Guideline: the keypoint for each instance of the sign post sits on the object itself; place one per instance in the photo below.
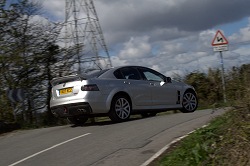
(220, 44)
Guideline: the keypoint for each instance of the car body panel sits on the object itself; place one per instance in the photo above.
(163, 93)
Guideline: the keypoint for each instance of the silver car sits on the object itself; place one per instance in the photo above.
(119, 92)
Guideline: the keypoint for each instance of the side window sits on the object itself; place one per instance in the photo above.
(118, 74)
(130, 73)
(151, 75)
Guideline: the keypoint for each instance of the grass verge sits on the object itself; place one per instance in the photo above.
(225, 141)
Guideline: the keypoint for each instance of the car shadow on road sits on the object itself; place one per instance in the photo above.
(103, 122)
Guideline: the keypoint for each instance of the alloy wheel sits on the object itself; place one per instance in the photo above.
(189, 102)
(122, 108)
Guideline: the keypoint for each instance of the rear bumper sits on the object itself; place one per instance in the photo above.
(70, 110)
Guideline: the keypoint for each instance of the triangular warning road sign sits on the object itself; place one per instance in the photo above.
(219, 39)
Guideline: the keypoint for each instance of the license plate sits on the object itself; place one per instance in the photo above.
(65, 91)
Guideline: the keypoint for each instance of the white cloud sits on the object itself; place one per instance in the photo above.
(136, 48)
(171, 36)
(55, 9)
(242, 36)
(173, 48)
(116, 61)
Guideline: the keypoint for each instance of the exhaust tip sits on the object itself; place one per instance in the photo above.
(65, 111)
(54, 113)
(81, 110)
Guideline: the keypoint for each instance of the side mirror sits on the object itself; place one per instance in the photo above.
(168, 80)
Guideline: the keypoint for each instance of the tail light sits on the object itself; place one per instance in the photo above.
(92, 87)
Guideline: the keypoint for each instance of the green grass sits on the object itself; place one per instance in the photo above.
(226, 141)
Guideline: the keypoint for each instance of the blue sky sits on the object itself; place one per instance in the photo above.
(171, 36)
(233, 27)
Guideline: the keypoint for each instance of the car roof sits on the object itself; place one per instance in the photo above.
(118, 67)
(110, 71)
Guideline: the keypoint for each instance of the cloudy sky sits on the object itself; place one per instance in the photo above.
(171, 36)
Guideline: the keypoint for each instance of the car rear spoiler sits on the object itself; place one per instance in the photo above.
(65, 79)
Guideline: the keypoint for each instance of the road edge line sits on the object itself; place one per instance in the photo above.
(162, 150)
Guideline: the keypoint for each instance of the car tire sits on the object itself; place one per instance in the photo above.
(78, 120)
(189, 102)
(120, 108)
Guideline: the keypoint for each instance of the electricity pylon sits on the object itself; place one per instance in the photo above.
(84, 40)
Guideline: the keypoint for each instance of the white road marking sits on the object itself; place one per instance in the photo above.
(161, 151)
(167, 146)
(52, 147)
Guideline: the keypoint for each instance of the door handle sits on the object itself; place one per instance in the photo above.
(151, 84)
(126, 82)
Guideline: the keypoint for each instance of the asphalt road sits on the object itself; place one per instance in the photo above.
(100, 144)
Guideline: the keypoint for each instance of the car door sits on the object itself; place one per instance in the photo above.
(163, 91)
(137, 88)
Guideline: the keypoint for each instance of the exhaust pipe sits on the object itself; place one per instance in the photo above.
(65, 110)
(55, 114)
(81, 110)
